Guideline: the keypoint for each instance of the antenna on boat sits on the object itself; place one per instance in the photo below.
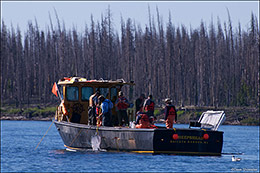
(59, 95)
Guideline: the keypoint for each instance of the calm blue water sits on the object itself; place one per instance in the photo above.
(18, 154)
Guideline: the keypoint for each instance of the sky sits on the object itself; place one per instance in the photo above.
(77, 13)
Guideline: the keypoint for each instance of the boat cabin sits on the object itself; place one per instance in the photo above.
(75, 96)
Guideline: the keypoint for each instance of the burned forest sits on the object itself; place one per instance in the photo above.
(211, 65)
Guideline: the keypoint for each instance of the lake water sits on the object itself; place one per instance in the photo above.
(19, 139)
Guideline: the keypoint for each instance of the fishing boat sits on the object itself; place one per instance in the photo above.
(200, 138)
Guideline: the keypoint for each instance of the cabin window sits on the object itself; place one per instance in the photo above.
(104, 91)
(86, 93)
(72, 93)
(113, 94)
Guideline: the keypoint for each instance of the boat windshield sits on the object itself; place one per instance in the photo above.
(86, 93)
(113, 94)
(72, 93)
(104, 92)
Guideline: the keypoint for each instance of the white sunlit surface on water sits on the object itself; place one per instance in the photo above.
(19, 139)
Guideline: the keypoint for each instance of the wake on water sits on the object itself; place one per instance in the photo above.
(95, 142)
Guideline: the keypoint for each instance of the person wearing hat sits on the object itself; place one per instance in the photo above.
(170, 113)
(122, 105)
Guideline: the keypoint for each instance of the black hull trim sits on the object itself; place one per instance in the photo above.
(156, 152)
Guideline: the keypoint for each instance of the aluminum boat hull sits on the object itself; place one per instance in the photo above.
(156, 141)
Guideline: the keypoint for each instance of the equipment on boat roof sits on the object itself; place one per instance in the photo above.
(209, 120)
(72, 80)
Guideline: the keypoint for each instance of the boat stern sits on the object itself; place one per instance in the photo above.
(188, 141)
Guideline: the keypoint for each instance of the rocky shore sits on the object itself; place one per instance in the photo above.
(24, 118)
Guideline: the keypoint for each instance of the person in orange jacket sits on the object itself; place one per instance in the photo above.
(148, 107)
(122, 104)
(170, 113)
(143, 121)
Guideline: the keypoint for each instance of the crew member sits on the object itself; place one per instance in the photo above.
(149, 108)
(170, 113)
(106, 106)
(93, 101)
(139, 103)
(122, 105)
(143, 121)
(138, 117)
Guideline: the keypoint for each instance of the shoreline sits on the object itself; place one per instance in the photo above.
(50, 118)
(23, 118)
(245, 116)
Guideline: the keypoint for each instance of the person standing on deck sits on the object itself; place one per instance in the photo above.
(122, 105)
(170, 113)
(93, 101)
(106, 114)
(143, 122)
(139, 103)
(149, 108)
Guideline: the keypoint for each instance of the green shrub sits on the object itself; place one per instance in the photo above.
(3, 110)
(13, 111)
(198, 114)
(180, 112)
(157, 112)
(50, 109)
(250, 121)
(34, 112)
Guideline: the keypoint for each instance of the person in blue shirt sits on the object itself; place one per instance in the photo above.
(106, 106)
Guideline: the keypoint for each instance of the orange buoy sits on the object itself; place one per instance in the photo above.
(175, 136)
(206, 136)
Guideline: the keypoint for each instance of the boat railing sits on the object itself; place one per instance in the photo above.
(209, 120)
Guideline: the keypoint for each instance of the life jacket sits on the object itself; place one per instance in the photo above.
(63, 109)
(150, 107)
(144, 122)
(98, 118)
(171, 111)
(122, 103)
(97, 110)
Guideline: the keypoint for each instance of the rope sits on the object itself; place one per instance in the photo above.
(44, 135)
(97, 130)
(98, 123)
(75, 137)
